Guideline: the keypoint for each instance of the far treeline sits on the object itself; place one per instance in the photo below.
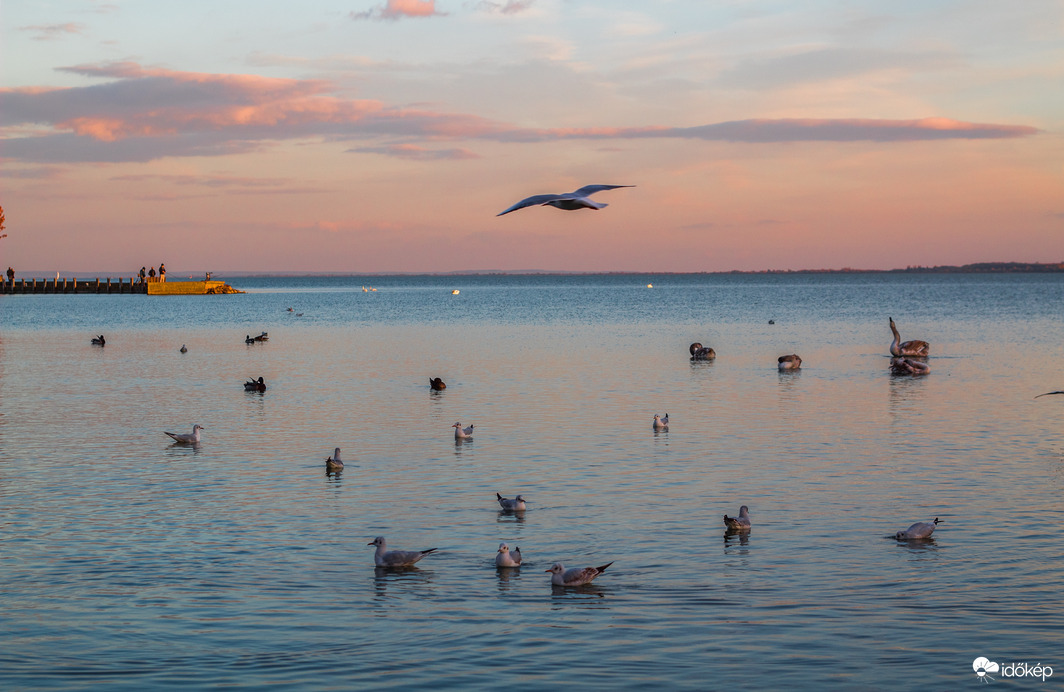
(980, 267)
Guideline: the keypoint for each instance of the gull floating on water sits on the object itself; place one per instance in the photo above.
(252, 339)
(437, 384)
(740, 522)
(921, 529)
(661, 423)
(99, 340)
(188, 438)
(517, 504)
(183, 349)
(507, 558)
(334, 463)
(576, 576)
(569, 201)
(906, 348)
(395, 558)
(791, 362)
(461, 433)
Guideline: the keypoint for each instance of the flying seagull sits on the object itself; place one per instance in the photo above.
(569, 201)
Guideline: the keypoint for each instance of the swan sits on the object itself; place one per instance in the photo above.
(699, 352)
(908, 366)
(791, 362)
(739, 523)
(577, 576)
(921, 529)
(906, 348)
(569, 201)
(506, 557)
(395, 558)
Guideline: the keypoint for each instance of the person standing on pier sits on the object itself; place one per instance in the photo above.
(142, 274)
(10, 275)
(151, 274)
(162, 272)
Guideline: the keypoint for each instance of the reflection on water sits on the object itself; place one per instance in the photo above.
(145, 561)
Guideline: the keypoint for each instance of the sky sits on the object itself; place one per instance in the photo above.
(372, 136)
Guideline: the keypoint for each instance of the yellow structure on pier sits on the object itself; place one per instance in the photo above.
(189, 288)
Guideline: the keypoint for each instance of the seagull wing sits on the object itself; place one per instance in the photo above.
(533, 201)
(592, 189)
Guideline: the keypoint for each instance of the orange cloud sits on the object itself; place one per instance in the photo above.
(397, 9)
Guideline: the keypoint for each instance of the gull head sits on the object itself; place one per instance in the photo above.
(556, 568)
(503, 548)
(378, 541)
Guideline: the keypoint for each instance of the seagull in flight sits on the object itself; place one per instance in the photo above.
(569, 201)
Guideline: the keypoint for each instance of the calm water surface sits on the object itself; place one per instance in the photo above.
(128, 562)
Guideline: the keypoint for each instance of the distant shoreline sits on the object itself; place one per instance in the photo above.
(976, 268)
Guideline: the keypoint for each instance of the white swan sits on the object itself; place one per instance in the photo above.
(570, 201)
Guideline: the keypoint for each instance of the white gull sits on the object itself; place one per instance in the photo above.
(921, 529)
(188, 438)
(576, 576)
(740, 522)
(569, 201)
(507, 558)
(516, 504)
(395, 558)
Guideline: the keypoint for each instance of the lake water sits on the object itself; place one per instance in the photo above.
(131, 563)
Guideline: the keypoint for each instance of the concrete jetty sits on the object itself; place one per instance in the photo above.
(130, 286)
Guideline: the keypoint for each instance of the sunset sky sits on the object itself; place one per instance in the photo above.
(386, 135)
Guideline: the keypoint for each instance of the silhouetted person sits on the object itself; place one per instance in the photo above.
(142, 274)
(10, 275)
(151, 274)
(162, 272)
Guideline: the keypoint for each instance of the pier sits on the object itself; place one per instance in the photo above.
(130, 286)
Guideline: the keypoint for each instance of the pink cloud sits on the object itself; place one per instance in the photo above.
(393, 10)
(143, 113)
(50, 32)
(509, 7)
(416, 153)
